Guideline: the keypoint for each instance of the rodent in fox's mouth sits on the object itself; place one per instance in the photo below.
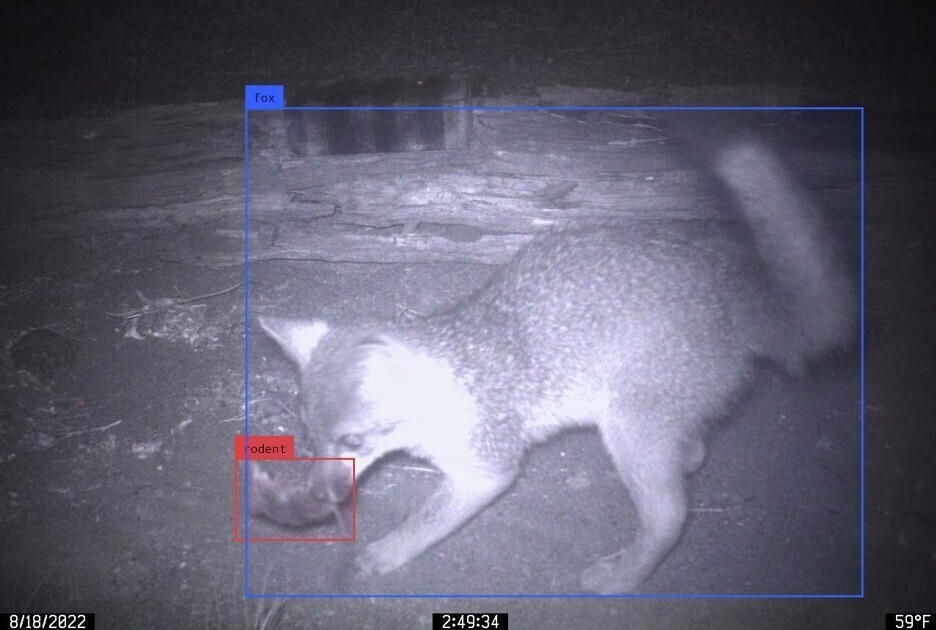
(294, 494)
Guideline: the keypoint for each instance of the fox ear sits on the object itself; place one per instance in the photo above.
(297, 337)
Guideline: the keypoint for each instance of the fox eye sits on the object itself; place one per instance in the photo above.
(351, 440)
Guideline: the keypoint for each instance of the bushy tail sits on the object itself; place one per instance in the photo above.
(793, 240)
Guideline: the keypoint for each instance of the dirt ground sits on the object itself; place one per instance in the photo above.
(117, 427)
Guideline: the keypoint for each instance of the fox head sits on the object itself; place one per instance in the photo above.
(362, 392)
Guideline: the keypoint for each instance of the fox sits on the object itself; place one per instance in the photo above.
(646, 331)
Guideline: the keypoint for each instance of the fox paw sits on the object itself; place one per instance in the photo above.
(380, 557)
(610, 577)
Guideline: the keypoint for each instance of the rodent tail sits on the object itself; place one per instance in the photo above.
(792, 238)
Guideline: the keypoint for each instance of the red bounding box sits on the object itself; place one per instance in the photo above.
(264, 447)
(317, 521)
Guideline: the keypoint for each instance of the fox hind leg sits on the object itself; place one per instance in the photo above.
(650, 459)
